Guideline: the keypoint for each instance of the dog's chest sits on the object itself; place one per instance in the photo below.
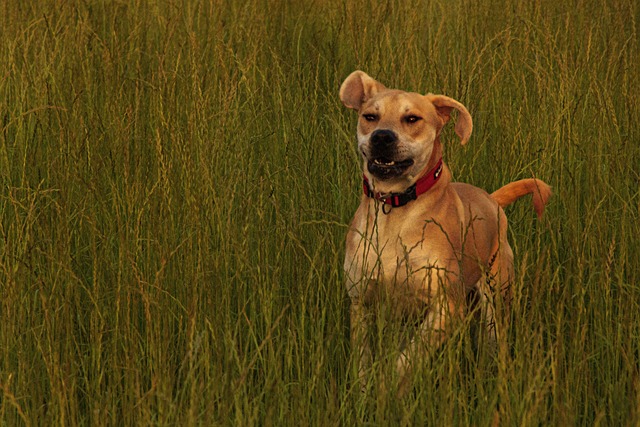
(384, 258)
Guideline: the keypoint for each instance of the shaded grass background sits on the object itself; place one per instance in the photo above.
(177, 177)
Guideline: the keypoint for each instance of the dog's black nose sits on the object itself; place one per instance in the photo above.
(383, 138)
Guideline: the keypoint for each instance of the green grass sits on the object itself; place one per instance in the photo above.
(176, 180)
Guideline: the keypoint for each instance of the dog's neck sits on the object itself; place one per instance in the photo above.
(436, 156)
(403, 183)
(433, 173)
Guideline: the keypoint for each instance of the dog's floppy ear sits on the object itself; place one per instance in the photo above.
(358, 88)
(444, 105)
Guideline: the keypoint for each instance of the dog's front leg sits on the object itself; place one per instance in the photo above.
(360, 342)
(430, 336)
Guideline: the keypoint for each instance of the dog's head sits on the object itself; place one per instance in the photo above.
(397, 130)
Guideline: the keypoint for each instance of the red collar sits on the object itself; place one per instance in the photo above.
(421, 186)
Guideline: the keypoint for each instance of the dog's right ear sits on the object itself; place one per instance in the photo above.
(358, 88)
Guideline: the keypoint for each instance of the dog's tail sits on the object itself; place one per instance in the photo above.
(513, 191)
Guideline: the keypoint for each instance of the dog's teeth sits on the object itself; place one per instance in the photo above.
(378, 162)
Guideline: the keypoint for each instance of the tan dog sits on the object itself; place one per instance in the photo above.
(421, 243)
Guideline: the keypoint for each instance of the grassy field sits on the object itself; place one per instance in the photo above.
(176, 180)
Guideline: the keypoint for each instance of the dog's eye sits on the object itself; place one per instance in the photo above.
(370, 117)
(412, 119)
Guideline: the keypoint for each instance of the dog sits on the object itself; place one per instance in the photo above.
(428, 246)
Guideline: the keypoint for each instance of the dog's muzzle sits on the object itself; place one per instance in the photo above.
(382, 161)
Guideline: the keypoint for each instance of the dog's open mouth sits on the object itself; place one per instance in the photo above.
(384, 168)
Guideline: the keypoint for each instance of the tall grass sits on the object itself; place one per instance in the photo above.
(176, 180)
